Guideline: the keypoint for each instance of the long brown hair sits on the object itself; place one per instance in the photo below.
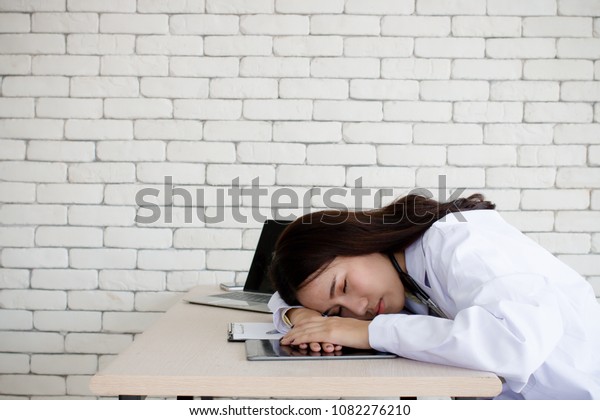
(312, 241)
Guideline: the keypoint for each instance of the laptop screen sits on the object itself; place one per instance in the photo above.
(258, 278)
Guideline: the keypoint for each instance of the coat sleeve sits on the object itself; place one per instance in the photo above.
(507, 324)
(278, 306)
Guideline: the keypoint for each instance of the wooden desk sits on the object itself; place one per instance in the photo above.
(186, 353)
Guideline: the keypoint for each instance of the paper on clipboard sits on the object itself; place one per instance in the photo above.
(242, 331)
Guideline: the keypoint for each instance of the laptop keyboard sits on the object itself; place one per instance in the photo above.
(248, 297)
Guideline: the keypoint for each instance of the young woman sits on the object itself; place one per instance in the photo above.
(449, 283)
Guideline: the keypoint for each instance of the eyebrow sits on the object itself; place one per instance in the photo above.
(331, 293)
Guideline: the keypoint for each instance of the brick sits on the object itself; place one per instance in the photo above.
(11, 278)
(155, 301)
(102, 258)
(384, 89)
(32, 129)
(594, 155)
(16, 236)
(70, 321)
(174, 87)
(181, 217)
(237, 130)
(137, 238)
(528, 48)
(417, 111)
(447, 134)
(65, 65)
(204, 66)
(378, 47)
(70, 193)
(32, 385)
(345, 67)
(271, 153)
(180, 172)
(488, 69)
(518, 134)
(130, 151)
(378, 132)
(344, 25)
(32, 171)
(558, 70)
(17, 192)
(168, 129)
(416, 155)
(229, 260)
(578, 48)
(518, 8)
(33, 299)
(78, 386)
(101, 215)
(33, 214)
(449, 47)
(455, 177)
(380, 7)
(356, 154)
(577, 221)
(309, 6)
(347, 110)
(134, 322)
(555, 200)
(132, 280)
(97, 343)
(185, 280)
(488, 112)
(243, 88)
(169, 45)
(415, 26)
(98, 130)
(34, 257)
(380, 177)
(526, 91)
(101, 300)
(61, 151)
(455, 90)
(482, 155)
(111, 6)
(64, 364)
(35, 86)
(262, 24)
(558, 112)
(204, 24)
(563, 243)
(225, 174)
(14, 23)
(313, 46)
(415, 68)
(134, 65)
(301, 88)
(207, 152)
(171, 260)
(32, 44)
(134, 23)
(68, 236)
(310, 175)
(238, 45)
(130, 108)
(64, 22)
(17, 108)
(64, 279)
(15, 320)
(31, 342)
(239, 6)
(14, 363)
(578, 8)
(177, 6)
(580, 91)
(486, 26)
(208, 109)
(558, 26)
(552, 155)
(466, 7)
(100, 44)
(15, 64)
(310, 131)
(523, 177)
(578, 178)
(98, 172)
(207, 238)
(586, 265)
(277, 109)
(274, 67)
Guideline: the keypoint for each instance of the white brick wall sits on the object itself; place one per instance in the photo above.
(101, 99)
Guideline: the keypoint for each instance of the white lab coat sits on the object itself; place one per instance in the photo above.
(515, 310)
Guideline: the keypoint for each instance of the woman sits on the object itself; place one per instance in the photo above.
(448, 283)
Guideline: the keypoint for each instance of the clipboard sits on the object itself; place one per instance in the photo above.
(242, 331)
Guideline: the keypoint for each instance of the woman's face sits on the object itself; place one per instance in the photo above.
(359, 287)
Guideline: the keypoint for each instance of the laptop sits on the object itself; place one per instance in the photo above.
(258, 289)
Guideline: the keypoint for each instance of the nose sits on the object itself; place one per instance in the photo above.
(359, 307)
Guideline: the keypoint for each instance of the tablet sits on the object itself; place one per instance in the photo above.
(273, 350)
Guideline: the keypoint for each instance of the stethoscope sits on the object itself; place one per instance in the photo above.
(413, 288)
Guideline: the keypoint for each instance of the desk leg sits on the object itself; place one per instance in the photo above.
(185, 397)
(131, 397)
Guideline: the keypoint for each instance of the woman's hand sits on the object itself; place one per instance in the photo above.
(299, 315)
(348, 332)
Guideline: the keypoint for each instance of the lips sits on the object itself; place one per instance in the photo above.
(380, 307)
